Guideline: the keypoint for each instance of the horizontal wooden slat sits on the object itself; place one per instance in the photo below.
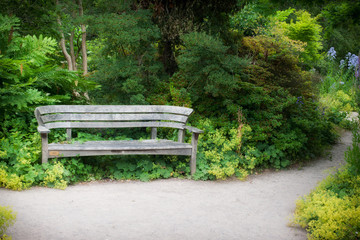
(112, 124)
(120, 145)
(69, 153)
(42, 129)
(114, 109)
(193, 129)
(113, 117)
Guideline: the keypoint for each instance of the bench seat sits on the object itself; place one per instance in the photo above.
(123, 147)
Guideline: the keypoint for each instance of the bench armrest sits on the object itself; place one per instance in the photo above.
(42, 129)
(193, 129)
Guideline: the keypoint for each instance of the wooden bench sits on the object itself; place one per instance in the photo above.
(116, 116)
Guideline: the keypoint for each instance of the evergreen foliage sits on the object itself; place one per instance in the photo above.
(242, 66)
(211, 73)
(127, 67)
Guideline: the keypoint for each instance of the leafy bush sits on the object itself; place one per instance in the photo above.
(279, 103)
(274, 95)
(352, 156)
(332, 210)
(219, 154)
(126, 65)
(338, 89)
(249, 21)
(300, 27)
(19, 167)
(7, 218)
(341, 26)
(327, 216)
(210, 73)
(29, 76)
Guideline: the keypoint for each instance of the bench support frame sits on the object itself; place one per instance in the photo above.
(156, 147)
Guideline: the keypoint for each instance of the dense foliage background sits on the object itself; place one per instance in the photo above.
(268, 80)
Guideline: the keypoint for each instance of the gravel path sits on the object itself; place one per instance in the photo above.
(259, 208)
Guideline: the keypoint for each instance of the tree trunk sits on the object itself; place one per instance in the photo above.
(83, 41)
(62, 44)
(72, 52)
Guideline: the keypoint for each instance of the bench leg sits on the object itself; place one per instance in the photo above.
(68, 134)
(44, 147)
(181, 135)
(194, 141)
(153, 133)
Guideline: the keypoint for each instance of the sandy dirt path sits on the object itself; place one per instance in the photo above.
(259, 208)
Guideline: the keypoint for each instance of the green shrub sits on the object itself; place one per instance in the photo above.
(249, 21)
(278, 101)
(302, 27)
(341, 26)
(126, 63)
(210, 73)
(326, 216)
(352, 156)
(29, 76)
(7, 219)
(219, 152)
(338, 89)
(332, 210)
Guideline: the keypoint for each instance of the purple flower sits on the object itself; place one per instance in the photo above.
(342, 63)
(357, 71)
(299, 101)
(331, 53)
(353, 61)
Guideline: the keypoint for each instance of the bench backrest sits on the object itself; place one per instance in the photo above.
(111, 116)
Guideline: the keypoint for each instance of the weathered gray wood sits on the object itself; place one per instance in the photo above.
(38, 116)
(153, 133)
(181, 135)
(112, 124)
(43, 129)
(193, 129)
(194, 142)
(114, 109)
(120, 145)
(44, 147)
(68, 134)
(114, 117)
(70, 153)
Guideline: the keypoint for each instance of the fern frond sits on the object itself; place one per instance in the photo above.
(34, 50)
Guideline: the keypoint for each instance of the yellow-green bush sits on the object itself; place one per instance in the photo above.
(332, 210)
(19, 168)
(219, 152)
(327, 216)
(54, 176)
(7, 218)
(339, 101)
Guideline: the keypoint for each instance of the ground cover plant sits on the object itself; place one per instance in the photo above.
(263, 87)
(7, 219)
(332, 210)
